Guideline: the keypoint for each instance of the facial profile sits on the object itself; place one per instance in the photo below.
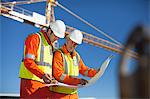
(70, 45)
(52, 36)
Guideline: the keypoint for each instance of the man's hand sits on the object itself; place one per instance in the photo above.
(98, 70)
(53, 81)
(47, 78)
(83, 81)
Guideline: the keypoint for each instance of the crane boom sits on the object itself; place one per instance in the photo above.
(22, 2)
(96, 41)
(26, 16)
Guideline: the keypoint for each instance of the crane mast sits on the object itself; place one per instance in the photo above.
(8, 9)
(50, 11)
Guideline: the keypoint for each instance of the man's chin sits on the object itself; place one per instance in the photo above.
(71, 51)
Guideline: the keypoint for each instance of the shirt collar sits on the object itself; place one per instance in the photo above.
(46, 37)
(64, 48)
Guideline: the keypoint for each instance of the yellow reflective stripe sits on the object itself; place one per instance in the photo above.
(30, 56)
(73, 76)
(62, 77)
(64, 90)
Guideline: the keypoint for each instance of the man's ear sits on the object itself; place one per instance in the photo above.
(49, 31)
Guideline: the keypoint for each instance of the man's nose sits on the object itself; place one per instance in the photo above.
(75, 44)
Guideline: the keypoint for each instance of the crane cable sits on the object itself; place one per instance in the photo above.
(75, 15)
(21, 2)
(86, 22)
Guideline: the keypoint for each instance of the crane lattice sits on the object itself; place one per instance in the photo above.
(10, 10)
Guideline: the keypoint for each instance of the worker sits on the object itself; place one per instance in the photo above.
(67, 64)
(36, 66)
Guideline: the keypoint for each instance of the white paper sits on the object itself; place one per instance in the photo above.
(100, 73)
(62, 84)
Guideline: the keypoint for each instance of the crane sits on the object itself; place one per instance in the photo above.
(10, 10)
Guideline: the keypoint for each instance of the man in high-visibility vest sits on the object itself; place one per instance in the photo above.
(67, 64)
(36, 66)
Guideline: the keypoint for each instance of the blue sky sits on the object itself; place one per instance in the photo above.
(115, 17)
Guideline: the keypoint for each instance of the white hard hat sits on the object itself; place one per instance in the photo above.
(76, 36)
(59, 28)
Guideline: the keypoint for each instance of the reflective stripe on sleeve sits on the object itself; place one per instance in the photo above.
(62, 77)
(86, 72)
(43, 64)
(30, 56)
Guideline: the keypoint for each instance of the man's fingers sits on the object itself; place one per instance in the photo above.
(47, 81)
(54, 81)
(48, 77)
(83, 82)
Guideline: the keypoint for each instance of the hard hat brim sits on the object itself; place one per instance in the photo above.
(58, 34)
(78, 42)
